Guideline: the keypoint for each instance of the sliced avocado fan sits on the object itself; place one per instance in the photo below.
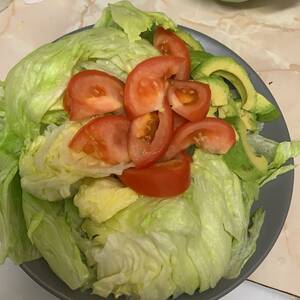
(235, 73)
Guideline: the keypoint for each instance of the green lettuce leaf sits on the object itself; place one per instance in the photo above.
(276, 153)
(106, 66)
(100, 199)
(250, 190)
(243, 249)
(50, 170)
(35, 84)
(13, 234)
(51, 234)
(155, 249)
(132, 20)
(274, 173)
(82, 240)
(263, 146)
(56, 117)
(284, 152)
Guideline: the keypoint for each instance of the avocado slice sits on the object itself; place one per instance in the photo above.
(189, 39)
(234, 109)
(265, 110)
(235, 81)
(231, 109)
(220, 92)
(237, 76)
(249, 119)
(241, 158)
(197, 58)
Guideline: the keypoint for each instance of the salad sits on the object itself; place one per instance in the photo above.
(130, 159)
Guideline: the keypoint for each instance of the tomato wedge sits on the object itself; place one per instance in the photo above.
(150, 136)
(178, 121)
(146, 84)
(168, 43)
(104, 138)
(211, 134)
(163, 179)
(190, 99)
(91, 93)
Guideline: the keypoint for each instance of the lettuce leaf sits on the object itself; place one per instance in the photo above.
(277, 155)
(155, 249)
(83, 242)
(50, 170)
(123, 15)
(56, 117)
(33, 86)
(51, 234)
(106, 66)
(243, 249)
(284, 152)
(13, 234)
(100, 199)
(139, 24)
(263, 146)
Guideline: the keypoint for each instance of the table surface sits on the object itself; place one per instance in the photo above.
(265, 33)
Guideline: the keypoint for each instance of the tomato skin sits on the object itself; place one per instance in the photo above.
(104, 138)
(178, 121)
(163, 179)
(168, 43)
(144, 153)
(211, 134)
(190, 99)
(92, 92)
(147, 84)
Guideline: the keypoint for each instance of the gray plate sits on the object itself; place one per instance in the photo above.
(275, 198)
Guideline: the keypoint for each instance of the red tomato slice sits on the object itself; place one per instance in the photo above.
(146, 84)
(211, 134)
(178, 121)
(190, 99)
(150, 136)
(104, 138)
(163, 179)
(168, 43)
(91, 93)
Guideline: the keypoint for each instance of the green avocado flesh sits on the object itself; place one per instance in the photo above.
(234, 72)
(241, 158)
